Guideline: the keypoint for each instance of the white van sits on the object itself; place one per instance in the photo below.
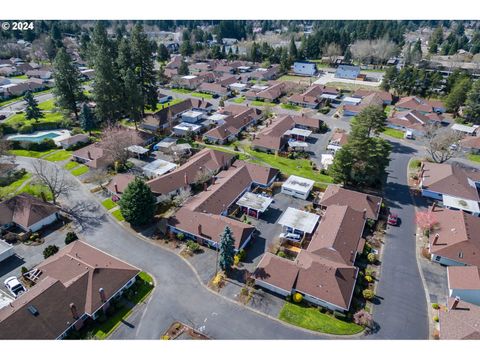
(409, 135)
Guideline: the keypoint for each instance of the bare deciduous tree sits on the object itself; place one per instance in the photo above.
(98, 177)
(332, 50)
(442, 144)
(54, 179)
(367, 51)
(203, 175)
(115, 141)
(182, 196)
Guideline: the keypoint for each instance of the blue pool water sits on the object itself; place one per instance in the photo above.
(37, 139)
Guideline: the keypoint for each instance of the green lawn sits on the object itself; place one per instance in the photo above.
(31, 153)
(118, 215)
(182, 91)
(59, 155)
(48, 117)
(415, 164)
(20, 98)
(398, 134)
(241, 156)
(351, 86)
(303, 79)
(202, 95)
(37, 190)
(80, 170)
(312, 319)
(24, 77)
(299, 167)
(109, 204)
(262, 103)
(164, 105)
(238, 100)
(13, 187)
(474, 157)
(290, 107)
(70, 165)
(142, 290)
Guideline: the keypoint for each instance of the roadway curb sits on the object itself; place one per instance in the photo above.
(418, 259)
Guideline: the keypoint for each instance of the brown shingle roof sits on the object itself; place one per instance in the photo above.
(25, 210)
(384, 95)
(449, 179)
(120, 182)
(461, 323)
(276, 271)
(463, 277)
(72, 276)
(272, 137)
(458, 238)
(336, 195)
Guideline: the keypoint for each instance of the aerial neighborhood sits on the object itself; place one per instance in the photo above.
(320, 178)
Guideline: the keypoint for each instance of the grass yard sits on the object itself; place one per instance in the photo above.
(164, 105)
(80, 170)
(351, 86)
(117, 214)
(312, 319)
(262, 103)
(474, 157)
(307, 80)
(299, 167)
(31, 153)
(20, 98)
(13, 187)
(37, 190)
(23, 77)
(142, 289)
(414, 164)
(109, 204)
(238, 100)
(241, 156)
(291, 107)
(202, 95)
(48, 117)
(70, 165)
(398, 134)
(59, 155)
(182, 91)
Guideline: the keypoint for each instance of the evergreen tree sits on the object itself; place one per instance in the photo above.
(227, 249)
(144, 67)
(161, 77)
(472, 104)
(32, 111)
(138, 203)
(389, 78)
(133, 97)
(183, 68)
(458, 95)
(162, 53)
(107, 90)
(67, 88)
(86, 119)
(435, 40)
(293, 50)
(186, 48)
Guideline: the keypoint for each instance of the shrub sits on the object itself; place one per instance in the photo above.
(372, 258)
(363, 318)
(282, 254)
(70, 237)
(368, 272)
(180, 236)
(325, 110)
(368, 278)
(368, 294)
(297, 297)
(236, 260)
(26, 129)
(436, 319)
(426, 232)
(435, 306)
(23, 270)
(193, 246)
(242, 254)
(34, 237)
(50, 250)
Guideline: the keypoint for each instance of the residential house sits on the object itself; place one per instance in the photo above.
(384, 95)
(411, 120)
(454, 186)
(270, 94)
(453, 240)
(324, 273)
(460, 321)
(471, 143)
(464, 282)
(305, 68)
(465, 129)
(214, 89)
(369, 100)
(421, 105)
(206, 160)
(203, 217)
(339, 138)
(74, 140)
(314, 96)
(117, 185)
(190, 82)
(336, 195)
(347, 72)
(265, 74)
(75, 284)
(27, 213)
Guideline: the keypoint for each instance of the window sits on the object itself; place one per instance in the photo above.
(460, 254)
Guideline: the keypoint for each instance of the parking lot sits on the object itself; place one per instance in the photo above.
(268, 228)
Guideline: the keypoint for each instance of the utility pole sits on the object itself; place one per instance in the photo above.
(216, 259)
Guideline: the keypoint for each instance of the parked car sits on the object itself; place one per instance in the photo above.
(14, 286)
(392, 219)
(2, 117)
(409, 135)
(290, 236)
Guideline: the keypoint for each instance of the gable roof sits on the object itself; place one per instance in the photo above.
(418, 103)
(336, 195)
(461, 323)
(72, 276)
(450, 180)
(458, 238)
(277, 271)
(212, 160)
(463, 277)
(272, 137)
(25, 210)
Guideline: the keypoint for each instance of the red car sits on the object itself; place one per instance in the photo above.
(392, 219)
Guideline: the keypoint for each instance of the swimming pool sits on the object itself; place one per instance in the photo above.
(38, 138)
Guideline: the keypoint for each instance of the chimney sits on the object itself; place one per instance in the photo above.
(303, 114)
(205, 186)
(73, 309)
(433, 206)
(116, 188)
(185, 179)
(455, 303)
(435, 239)
(89, 155)
(213, 180)
(352, 256)
(102, 295)
(199, 229)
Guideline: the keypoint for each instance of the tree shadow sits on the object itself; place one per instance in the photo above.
(85, 214)
(255, 248)
(400, 148)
